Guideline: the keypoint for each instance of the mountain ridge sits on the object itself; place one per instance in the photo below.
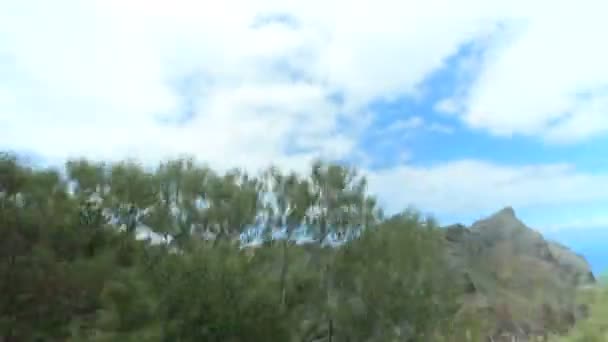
(515, 276)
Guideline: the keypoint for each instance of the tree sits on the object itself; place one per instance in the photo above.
(233, 202)
(341, 206)
(68, 272)
(171, 213)
(595, 327)
(412, 300)
(51, 269)
(88, 178)
(291, 201)
(131, 193)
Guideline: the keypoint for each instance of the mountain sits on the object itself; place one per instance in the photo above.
(522, 283)
(591, 241)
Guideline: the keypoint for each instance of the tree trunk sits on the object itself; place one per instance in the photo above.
(328, 288)
(283, 280)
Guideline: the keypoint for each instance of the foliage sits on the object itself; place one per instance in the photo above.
(72, 266)
(595, 327)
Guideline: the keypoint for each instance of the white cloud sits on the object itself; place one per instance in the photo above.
(93, 77)
(471, 186)
(82, 66)
(412, 124)
(448, 106)
(73, 70)
(547, 78)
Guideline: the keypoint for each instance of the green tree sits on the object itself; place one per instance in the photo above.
(341, 205)
(131, 192)
(595, 327)
(415, 297)
(233, 202)
(47, 258)
(68, 272)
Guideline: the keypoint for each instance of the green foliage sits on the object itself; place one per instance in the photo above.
(595, 327)
(67, 272)
(394, 284)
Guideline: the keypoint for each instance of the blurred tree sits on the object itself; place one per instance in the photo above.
(68, 273)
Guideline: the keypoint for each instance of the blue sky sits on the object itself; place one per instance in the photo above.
(458, 109)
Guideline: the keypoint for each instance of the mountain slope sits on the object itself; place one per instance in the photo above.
(523, 283)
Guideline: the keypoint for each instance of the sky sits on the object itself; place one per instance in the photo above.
(455, 108)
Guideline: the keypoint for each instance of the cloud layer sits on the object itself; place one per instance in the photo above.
(251, 82)
(547, 77)
(469, 186)
(269, 73)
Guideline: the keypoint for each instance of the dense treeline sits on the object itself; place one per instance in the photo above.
(72, 269)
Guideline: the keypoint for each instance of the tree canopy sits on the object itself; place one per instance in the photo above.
(73, 268)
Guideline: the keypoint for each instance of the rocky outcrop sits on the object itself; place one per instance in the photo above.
(572, 264)
(524, 279)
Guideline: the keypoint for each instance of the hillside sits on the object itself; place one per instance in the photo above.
(522, 282)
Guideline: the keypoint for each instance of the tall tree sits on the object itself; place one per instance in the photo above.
(342, 206)
(87, 177)
(233, 202)
(180, 186)
(131, 192)
(292, 199)
(61, 278)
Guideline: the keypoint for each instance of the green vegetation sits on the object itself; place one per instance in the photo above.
(72, 269)
(595, 328)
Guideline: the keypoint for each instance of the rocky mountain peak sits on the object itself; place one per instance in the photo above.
(506, 212)
(504, 225)
(505, 216)
(506, 261)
